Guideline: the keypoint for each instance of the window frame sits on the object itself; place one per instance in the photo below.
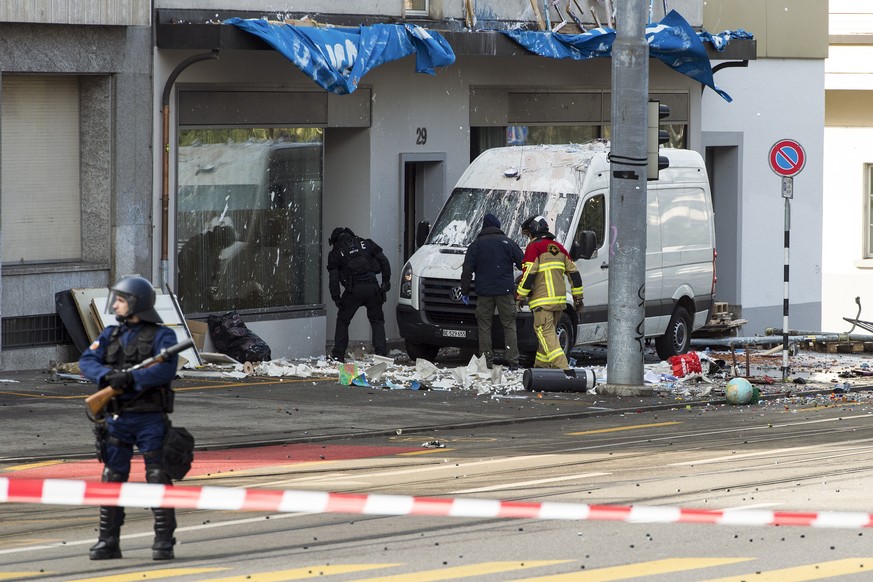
(416, 11)
(95, 96)
(868, 211)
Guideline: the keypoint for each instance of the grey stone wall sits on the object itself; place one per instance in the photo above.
(114, 68)
(109, 12)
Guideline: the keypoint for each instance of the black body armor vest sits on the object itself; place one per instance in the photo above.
(154, 399)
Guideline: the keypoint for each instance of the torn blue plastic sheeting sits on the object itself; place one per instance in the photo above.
(672, 40)
(337, 58)
(595, 43)
(675, 43)
(721, 39)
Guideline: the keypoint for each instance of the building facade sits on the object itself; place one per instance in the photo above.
(779, 95)
(848, 168)
(75, 162)
(211, 164)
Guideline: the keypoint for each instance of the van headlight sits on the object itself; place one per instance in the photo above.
(406, 282)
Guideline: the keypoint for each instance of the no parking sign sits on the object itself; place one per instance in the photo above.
(787, 158)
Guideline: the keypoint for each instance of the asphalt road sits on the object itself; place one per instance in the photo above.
(793, 455)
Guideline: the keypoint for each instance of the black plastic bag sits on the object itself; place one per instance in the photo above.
(178, 452)
(231, 337)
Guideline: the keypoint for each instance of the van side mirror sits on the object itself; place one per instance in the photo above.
(584, 245)
(421, 232)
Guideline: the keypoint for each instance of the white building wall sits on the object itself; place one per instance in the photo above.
(766, 112)
(848, 138)
(846, 275)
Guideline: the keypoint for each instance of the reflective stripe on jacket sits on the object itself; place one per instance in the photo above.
(545, 265)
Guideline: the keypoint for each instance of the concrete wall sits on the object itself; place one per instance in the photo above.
(485, 10)
(101, 12)
(850, 17)
(848, 272)
(776, 24)
(116, 172)
(765, 112)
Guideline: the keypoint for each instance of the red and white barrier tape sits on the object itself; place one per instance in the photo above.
(69, 492)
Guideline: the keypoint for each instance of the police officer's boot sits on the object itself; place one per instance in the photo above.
(111, 520)
(165, 518)
(107, 546)
(165, 525)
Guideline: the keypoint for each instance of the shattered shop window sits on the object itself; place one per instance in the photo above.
(248, 218)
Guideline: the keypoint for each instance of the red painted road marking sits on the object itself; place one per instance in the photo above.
(221, 462)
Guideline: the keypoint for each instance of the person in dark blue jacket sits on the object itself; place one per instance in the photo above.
(138, 416)
(491, 258)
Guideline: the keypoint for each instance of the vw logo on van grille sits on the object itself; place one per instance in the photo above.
(455, 294)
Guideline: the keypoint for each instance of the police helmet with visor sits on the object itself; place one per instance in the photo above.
(140, 297)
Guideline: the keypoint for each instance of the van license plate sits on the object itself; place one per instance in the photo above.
(454, 333)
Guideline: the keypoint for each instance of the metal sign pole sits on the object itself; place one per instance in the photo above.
(787, 158)
(787, 194)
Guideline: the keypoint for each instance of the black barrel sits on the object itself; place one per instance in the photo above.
(549, 380)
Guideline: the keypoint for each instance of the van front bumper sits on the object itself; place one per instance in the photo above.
(415, 327)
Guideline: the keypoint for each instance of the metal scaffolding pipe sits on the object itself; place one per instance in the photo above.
(776, 339)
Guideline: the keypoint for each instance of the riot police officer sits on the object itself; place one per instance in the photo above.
(138, 416)
(354, 262)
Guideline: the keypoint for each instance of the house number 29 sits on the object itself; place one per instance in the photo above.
(420, 135)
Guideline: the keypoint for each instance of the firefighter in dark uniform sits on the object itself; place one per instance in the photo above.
(354, 262)
(137, 417)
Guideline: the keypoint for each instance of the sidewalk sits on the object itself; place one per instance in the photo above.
(41, 419)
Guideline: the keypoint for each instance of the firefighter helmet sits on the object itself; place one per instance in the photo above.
(535, 226)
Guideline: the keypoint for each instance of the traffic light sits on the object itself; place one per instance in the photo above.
(655, 137)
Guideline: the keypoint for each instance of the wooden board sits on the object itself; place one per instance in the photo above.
(91, 306)
(838, 347)
(83, 299)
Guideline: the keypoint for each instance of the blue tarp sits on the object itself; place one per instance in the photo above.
(337, 58)
(672, 40)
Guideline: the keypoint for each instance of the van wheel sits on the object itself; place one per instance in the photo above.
(417, 350)
(677, 338)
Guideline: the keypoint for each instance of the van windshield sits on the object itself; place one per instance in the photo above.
(460, 221)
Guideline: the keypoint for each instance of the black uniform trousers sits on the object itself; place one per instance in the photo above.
(368, 294)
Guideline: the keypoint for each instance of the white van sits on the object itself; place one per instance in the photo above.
(569, 186)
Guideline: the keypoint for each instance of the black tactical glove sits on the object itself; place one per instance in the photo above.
(338, 302)
(120, 380)
(580, 305)
(386, 286)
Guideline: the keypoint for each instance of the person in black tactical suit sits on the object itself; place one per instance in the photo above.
(354, 262)
(491, 258)
(138, 416)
